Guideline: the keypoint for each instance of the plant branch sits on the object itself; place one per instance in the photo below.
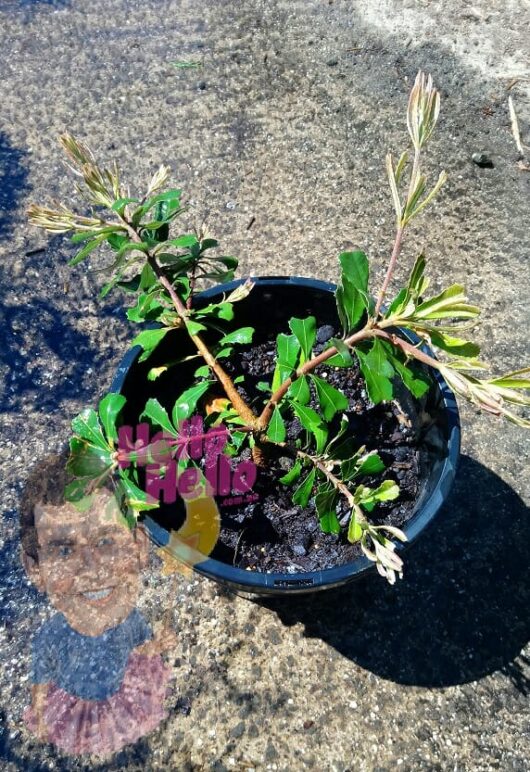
(390, 270)
(333, 479)
(308, 367)
(222, 376)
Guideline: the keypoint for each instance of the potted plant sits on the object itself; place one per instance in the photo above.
(319, 419)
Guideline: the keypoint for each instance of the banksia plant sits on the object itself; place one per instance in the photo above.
(389, 338)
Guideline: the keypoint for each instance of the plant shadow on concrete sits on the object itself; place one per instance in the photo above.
(42, 336)
(461, 612)
(13, 183)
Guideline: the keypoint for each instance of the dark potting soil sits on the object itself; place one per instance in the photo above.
(264, 530)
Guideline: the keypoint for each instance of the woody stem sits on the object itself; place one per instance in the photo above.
(239, 404)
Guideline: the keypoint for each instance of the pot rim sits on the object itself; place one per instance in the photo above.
(281, 583)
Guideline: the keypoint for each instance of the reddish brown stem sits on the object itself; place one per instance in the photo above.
(390, 270)
(228, 385)
(309, 366)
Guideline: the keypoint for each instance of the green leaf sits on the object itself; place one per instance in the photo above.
(293, 474)
(116, 241)
(149, 340)
(416, 382)
(87, 249)
(156, 372)
(352, 292)
(186, 240)
(86, 426)
(78, 238)
(224, 352)
(331, 399)
(194, 328)
(387, 491)
(377, 372)
(361, 464)
(452, 303)
(325, 503)
(243, 335)
(343, 358)
(368, 497)
(299, 391)
(187, 402)
(229, 262)
(87, 460)
(276, 428)
(329, 523)
(159, 416)
(208, 244)
(355, 531)
(417, 282)
(513, 380)
(288, 349)
(218, 310)
(109, 409)
(455, 346)
(202, 372)
(136, 498)
(303, 492)
(121, 203)
(312, 422)
(305, 331)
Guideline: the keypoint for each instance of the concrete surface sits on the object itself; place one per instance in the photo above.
(287, 120)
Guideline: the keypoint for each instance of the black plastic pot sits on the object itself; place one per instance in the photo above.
(277, 295)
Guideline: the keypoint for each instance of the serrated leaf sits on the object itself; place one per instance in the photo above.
(136, 498)
(187, 402)
(109, 409)
(159, 416)
(202, 372)
(302, 494)
(293, 474)
(352, 292)
(343, 357)
(331, 400)
(243, 335)
(377, 372)
(86, 426)
(299, 391)
(88, 460)
(276, 428)
(194, 328)
(149, 340)
(305, 331)
(387, 491)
